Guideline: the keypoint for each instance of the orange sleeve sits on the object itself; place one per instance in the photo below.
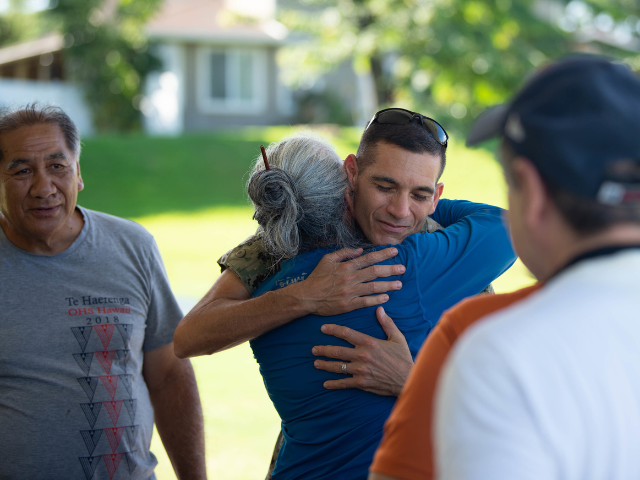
(405, 451)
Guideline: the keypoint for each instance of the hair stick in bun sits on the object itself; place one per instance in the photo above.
(264, 157)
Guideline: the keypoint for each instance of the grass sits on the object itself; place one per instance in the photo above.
(139, 176)
(189, 192)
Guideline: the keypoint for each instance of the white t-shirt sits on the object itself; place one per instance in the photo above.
(550, 387)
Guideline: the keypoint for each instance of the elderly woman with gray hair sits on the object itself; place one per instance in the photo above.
(301, 209)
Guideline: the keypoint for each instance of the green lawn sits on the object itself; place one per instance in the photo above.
(189, 192)
(136, 176)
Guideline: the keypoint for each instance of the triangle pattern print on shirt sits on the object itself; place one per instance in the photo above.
(131, 406)
(89, 465)
(104, 332)
(84, 361)
(82, 334)
(112, 462)
(114, 435)
(113, 408)
(91, 411)
(110, 382)
(123, 357)
(131, 461)
(127, 380)
(105, 357)
(89, 385)
(132, 431)
(91, 439)
(125, 330)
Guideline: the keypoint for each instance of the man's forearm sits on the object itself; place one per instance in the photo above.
(216, 324)
(178, 417)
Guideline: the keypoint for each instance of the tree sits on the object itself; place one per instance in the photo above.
(108, 56)
(441, 57)
(18, 25)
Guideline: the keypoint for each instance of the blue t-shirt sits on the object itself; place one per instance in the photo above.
(333, 434)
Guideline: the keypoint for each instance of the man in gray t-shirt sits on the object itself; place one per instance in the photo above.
(87, 319)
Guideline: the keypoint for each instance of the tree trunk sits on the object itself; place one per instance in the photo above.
(384, 92)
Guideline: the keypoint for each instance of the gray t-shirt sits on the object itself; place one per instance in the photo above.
(73, 330)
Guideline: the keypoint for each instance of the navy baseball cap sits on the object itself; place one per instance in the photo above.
(578, 121)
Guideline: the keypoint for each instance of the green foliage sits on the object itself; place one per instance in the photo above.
(12, 28)
(617, 22)
(445, 57)
(107, 53)
(323, 107)
(18, 25)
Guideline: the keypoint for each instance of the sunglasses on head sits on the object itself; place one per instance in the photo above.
(400, 116)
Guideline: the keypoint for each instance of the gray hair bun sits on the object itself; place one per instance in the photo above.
(278, 210)
(299, 203)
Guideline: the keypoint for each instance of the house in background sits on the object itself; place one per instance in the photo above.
(35, 71)
(220, 70)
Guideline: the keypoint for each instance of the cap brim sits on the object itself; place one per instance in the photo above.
(488, 125)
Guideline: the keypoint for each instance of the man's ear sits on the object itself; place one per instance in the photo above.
(536, 204)
(80, 181)
(436, 196)
(351, 169)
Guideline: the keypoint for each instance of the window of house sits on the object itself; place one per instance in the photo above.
(232, 80)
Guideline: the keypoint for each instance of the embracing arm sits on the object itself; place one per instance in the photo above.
(462, 259)
(449, 212)
(227, 316)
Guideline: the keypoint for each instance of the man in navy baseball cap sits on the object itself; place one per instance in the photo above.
(575, 121)
(549, 386)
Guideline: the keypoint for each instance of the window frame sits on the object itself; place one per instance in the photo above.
(232, 103)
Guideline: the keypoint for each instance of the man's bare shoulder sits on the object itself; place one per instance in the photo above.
(250, 262)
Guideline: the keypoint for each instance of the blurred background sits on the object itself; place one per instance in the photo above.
(174, 97)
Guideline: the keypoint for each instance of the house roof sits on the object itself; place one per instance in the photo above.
(213, 22)
(49, 44)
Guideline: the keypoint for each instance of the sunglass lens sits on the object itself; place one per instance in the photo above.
(436, 130)
(395, 117)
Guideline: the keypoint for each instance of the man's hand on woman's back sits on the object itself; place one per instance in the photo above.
(377, 366)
